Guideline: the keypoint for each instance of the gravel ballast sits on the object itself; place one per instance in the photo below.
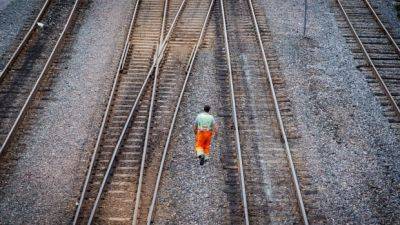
(14, 15)
(4, 4)
(347, 147)
(44, 183)
(388, 15)
(190, 193)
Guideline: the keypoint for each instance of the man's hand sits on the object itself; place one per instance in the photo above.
(194, 129)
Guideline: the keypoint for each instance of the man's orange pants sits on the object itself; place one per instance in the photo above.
(203, 142)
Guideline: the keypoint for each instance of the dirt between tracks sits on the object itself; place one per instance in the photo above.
(41, 183)
(346, 146)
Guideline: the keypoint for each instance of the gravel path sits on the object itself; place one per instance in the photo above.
(14, 15)
(347, 146)
(43, 185)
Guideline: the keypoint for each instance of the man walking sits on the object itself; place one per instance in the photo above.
(204, 128)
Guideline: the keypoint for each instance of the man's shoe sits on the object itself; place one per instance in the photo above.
(202, 159)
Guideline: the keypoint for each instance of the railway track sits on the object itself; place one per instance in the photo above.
(376, 51)
(270, 178)
(125, 162)
(172, 84)
(140, 48)
(23, 74)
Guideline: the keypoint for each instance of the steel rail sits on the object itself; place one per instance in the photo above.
(145, 147)
(38, 81)
(375, 70)
(389, 36)
(24, 40)
(107, 112)
(233, 102)
(165, 40)
(156, 60)
(149, 119)
(177, 107)
(163, 21)
(279, 118)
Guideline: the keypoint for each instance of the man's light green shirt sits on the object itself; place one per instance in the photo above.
(204, 121)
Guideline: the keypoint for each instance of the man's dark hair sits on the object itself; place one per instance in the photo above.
(207, 108)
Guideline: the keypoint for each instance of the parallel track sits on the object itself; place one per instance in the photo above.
(271, 186)
(22, 76)
(118, 191)
(376, 51)
(117, 203)
(188, 71)
(171, 85)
